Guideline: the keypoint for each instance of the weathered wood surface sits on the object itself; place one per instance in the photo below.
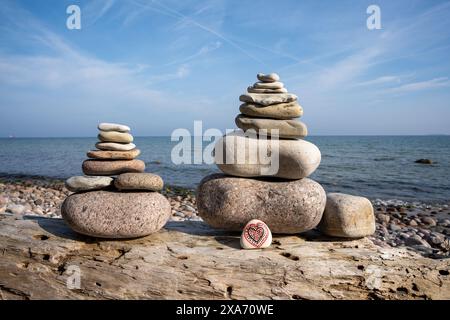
(188, 260)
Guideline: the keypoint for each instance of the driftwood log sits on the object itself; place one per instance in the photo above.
(41, 258)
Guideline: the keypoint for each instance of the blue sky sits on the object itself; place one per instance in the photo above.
(160, 65)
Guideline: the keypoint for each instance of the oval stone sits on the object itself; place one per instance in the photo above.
(348, 216)
(268, 99)
(242, 155)
(106, 126)
(86, 183)
(275, 111)
(106, 168)
(268, 85)
(115, 136)
(109, 214)
(259, 90)
(113, 146)
(285, 206)
(114, 155)
(139, 181)
(256, 235)
(290, 129)
(271, 77)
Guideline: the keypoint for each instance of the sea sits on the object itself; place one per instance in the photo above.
(377, 167)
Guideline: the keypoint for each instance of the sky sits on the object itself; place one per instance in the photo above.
(160, 65)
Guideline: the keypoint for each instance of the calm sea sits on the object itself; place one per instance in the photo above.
(374, 166)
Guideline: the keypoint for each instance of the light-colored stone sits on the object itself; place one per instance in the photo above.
(37, 255)
(16, 209)
(268, 85)
(115, 136)
(106, 168)
(256, 235)
(86, 183)
(112, 146)
(249, 156)
(268, 99)
(259, 90)
(275, 111)
(285, 206)
(270, 77)
(106, 126)
(112, 214)
(348, 216)
(114, 155)
(290, 129)
(139, 181)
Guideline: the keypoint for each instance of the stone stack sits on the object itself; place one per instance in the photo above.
(115, 198)
(284, 198)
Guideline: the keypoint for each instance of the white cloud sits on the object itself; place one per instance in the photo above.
(422, 85)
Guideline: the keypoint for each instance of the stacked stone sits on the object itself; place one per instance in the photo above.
(285, 199)
(115, 198)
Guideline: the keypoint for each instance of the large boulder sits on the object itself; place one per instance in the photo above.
(228, 203)
(111, 214)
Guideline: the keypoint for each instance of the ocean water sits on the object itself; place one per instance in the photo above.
(378, 167)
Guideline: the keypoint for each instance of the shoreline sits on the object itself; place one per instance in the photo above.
(422, 227)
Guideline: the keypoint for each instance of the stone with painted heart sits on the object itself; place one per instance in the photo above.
(256, 235)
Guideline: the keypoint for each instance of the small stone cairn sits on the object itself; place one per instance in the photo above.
(115, 198)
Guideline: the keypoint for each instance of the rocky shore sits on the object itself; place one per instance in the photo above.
(422, 228)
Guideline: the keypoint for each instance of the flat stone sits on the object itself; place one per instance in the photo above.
(291, 129)
(109, 214)
(106, 168)
(114, 155)
(270, 77)
(256, 235)
(268, 99)
(268, 85)
(243, 155)
(106, 126)
(86, 183)
(115, 136)
(347, 216)
(139, 181)
(275, 111)
(260, 90)
(228, 203)
(113, 146)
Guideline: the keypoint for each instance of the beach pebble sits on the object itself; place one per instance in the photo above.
(296, 159)
(109, 214)
(290, 129)
(276, 111)
(268, 85)
(384, 218)
(106, 168)
(256, 235)
(113, 146)
(270, 77)
(288, 207)
(347, 216)
(429, 221)
(115, 136)
(268, 99)
(269, 91)
(86, 183)
(139, 181)
(416, 240)
(105, 126)
(3, 201)
(16, 209)
(114, 155)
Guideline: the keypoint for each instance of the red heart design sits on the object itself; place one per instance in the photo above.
(256, 234)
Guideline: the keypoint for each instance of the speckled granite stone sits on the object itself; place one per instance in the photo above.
(139, 181)
(109, 214)
(275, 111)
(114, 155)
(226, 202)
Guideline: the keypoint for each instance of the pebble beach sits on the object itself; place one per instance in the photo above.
(423, 228)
